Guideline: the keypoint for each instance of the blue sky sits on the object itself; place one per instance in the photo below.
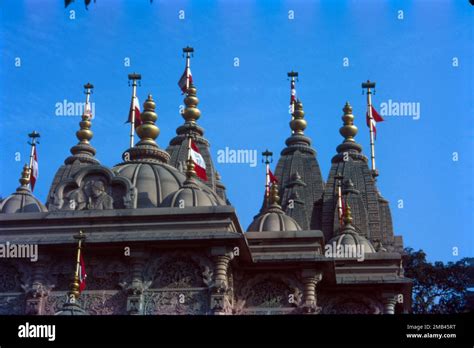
(245, 107)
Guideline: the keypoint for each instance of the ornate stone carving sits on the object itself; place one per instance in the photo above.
(350, 303)
(269, 294)
(93, 188)
(12, 304)
(176, 302)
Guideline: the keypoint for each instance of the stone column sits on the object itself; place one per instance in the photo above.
(136, 288)
(37, 292)
(389, 301)
(310, 280)
(220, 292)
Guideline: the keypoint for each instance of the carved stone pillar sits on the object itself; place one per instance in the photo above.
(220, 292)
(136, 288)
(310, 280)
(36, 290)
(389, 301)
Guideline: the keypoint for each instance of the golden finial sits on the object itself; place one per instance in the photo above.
(190, 172)
(191, 113)
(298, 123)
(274, 195)
(25, 175)
(148, 131)
(348, 131)
(84, 134)
(347, 215)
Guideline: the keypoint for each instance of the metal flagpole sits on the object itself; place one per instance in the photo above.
(33, 136)
(368, 85)
(188, 51)
(339, 178)
(76, 282)
(135, 78)
(293, 75)
(267, 160)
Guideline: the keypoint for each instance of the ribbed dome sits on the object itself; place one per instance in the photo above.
(353, 238)
(22, 201)
(274, 219)
(349, 235)
(192, 194)
(153, 181)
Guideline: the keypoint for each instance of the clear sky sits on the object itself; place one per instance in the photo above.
(422, 55)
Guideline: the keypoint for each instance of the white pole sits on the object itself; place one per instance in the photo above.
(372, 145)
(132, 124)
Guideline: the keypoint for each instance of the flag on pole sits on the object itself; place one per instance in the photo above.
(273, 179)
(293, 96)
(375, 118)
(199, 163)
(82, 274)
(34, 169)
(134, 106)
(185, 80)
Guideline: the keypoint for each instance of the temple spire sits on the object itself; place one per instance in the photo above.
(83, 151)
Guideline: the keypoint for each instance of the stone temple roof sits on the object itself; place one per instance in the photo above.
(178, 146)
(371, 213)
(299, 174)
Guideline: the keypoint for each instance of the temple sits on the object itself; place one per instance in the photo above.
(159, 240)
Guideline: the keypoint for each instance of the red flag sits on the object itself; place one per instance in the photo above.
(82, 274)
(273, 179)
(134, 105)
(34, 169)
(375, 118)
(185, 80)
(199, 163)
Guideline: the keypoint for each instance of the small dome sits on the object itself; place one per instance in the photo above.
(22, 201)
(274, 219)
(153, 181)
(349, 235)
(353, 238)
(192, 195)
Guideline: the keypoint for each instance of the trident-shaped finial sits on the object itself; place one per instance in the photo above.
(33, 136)
(188, 52)
(293, 75)
(368, 85)
(135, 78)
(268, 157)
